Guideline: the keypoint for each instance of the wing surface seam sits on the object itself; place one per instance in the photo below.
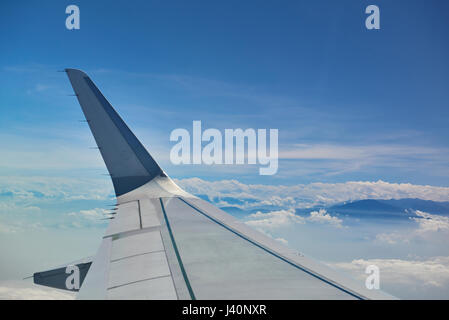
(140, 214)
(126, 284)
(136, 255)
(181, 265)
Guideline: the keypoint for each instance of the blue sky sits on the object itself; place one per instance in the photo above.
(351, 105)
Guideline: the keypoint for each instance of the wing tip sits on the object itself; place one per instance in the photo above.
(73, 71)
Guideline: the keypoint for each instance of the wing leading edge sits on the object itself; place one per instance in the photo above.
(165, 243)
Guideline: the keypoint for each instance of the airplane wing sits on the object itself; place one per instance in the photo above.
(165, 243)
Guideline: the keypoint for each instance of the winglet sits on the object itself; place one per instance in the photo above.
(128, 162)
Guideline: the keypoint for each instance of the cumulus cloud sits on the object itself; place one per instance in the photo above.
(284, 218)
(274, 219)
(321, 216)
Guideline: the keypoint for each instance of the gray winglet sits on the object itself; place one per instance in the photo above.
(128, 162)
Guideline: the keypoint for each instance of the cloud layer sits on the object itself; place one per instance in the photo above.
(412, 278)
(307, 195)
(284, 218)
(429, 227)
(15, 290)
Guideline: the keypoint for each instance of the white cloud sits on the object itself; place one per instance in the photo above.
(432, 272)
(391, 238)
(429, 226)
(29, 189)
(431, 222)
(308, 195)
(6, 228)
(92, 214)
(15, 290)
(87, 218)
(284, 218)
(274, 219)
(322, 216)
(16, 225)
(38, 202)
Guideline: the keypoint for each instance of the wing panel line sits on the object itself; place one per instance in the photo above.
(136, 255)
(183, 271)
(140, 214)
(137, 281)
